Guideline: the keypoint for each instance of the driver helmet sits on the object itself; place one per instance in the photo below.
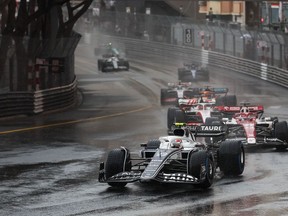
(177, 143)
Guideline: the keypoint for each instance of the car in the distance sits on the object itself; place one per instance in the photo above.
(192, 72)
(111, 59)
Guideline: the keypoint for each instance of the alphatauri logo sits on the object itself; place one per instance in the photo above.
(211, 128)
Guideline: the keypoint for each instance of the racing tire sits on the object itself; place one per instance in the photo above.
(220, 101)
(118, 160)
(153, 144)
(281, 133)
(213, 121)
(181, 73)
(189, 95)
(103, 68)
(99, 63)
(163, 94)
(231, 157)
(171, 116)
(126, 64)
(180, 116)
(206, 75)
(195, 168)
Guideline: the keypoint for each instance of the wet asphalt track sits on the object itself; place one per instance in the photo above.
(49, 163)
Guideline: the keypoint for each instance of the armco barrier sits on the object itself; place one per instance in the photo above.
(55, 98)
(16, 103)
(29, 103)
(141, 49)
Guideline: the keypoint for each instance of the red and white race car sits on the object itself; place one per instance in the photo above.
(185, 90)
(247, 123)
(191, 112)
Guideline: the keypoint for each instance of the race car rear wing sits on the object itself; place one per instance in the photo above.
(210, 130)
(215, 90)
(184, 84)
(238, 109)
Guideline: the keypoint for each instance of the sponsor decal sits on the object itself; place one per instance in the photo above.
(255, 108)
(179, 177)
(272, 139)
(211, 128)
(226, 108)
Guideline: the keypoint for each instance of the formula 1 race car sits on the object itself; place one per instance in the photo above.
(170, 95)
(247, 123)
(111, 60)
(178, 158)
(192, 114)
(219, 96)
(185, 90)
(192, 73)
(199, 106)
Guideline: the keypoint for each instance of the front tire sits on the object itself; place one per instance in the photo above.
(231, 157)
(118, 160)
(198, 161)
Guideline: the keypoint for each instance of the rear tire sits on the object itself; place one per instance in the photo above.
(171, 116)
(212, 121)
(181, 73)
(118, 160)
(281, 132)
(180, 116)
(197, 161)
(126, 64)
(99, 63)
(163, 95)
(231, 157)
(220, 101)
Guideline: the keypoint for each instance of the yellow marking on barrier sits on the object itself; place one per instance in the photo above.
(75, 121)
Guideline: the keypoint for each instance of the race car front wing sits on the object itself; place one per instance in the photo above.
(133, 176)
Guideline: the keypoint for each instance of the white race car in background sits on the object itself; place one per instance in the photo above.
(174, 91)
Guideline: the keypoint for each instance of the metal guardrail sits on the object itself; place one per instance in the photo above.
(55, 98)
(29, 103)
(141, 49)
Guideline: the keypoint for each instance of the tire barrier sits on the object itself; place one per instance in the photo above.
(30, 103)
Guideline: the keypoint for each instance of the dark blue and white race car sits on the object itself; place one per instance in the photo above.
(193, 73)
(177, 158)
